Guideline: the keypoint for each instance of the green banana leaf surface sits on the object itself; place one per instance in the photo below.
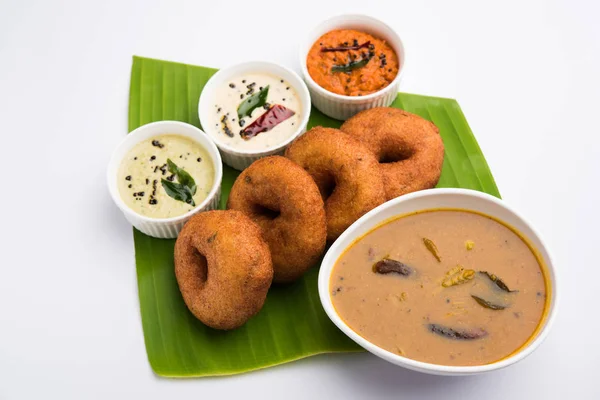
(292, 324)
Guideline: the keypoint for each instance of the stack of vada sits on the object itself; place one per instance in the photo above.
(282, 211)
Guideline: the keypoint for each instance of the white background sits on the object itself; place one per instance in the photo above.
(527, 75)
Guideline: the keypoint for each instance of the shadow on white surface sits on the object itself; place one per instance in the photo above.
(362, 372)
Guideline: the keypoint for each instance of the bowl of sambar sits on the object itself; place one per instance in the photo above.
(441, 281)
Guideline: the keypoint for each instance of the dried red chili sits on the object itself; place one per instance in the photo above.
(275, 115)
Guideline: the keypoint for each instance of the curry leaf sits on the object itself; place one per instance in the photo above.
(497, 281)
(182, 176)
(432, 248)
(352, 65)
(178, 191)
(487, 304)
(253, 102)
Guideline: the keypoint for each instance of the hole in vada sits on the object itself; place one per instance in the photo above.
(394, 155)
(266, 212)
(201, 265)
(326, 185)
(328, 189)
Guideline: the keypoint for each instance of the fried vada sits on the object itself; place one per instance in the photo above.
(285, 202)
(409, 148)
(346, 173)
(223, 268)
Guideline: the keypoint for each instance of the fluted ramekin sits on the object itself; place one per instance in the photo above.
(340, 106)
(164, 228)
(237, 158)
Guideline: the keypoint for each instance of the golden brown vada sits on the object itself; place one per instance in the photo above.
(346, 173)
(285, 202)
(409, 148)
(223, 268)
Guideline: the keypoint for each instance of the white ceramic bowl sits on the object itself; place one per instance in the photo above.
(241, 159)
(164, 228)
(343, 107)
(435, 199)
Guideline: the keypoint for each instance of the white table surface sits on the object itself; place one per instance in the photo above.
(527, 75)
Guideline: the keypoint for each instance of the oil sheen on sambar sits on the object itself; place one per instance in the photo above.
(397, 312)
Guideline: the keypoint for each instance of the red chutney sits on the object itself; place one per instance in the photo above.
(352, 63)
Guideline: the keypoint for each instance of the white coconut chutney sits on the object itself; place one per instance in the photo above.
(145, 166)
(225, 125)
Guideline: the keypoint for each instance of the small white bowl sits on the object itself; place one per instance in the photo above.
(164, 228)
(435, 199)
(241, 159)
(340, 106)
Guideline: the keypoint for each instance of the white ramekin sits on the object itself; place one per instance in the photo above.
(343, 107)
(435, 199)
(241, 159)
(164, 228)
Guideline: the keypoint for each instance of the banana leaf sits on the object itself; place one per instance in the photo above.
(292, 324)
